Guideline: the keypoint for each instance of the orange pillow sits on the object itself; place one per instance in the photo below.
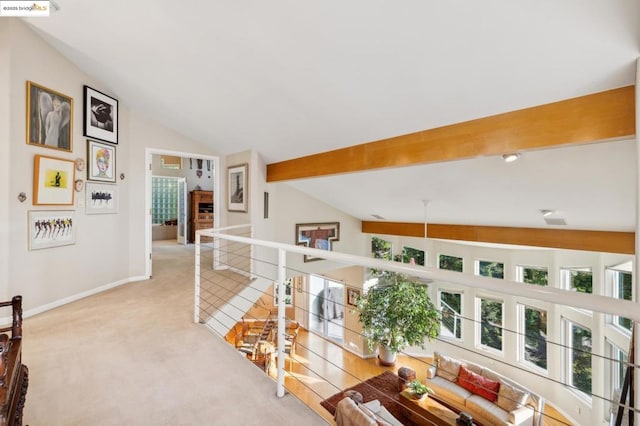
(479, 385)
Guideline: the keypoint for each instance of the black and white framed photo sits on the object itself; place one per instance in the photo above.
(238, 196)
(101, 160)
(101, 198)
(51, 229)
(100, 116)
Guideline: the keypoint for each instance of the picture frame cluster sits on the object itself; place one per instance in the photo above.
(49, 124)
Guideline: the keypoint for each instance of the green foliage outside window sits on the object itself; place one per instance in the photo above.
(624, 291)
(538, 276)
(582, 281)
(581, 356)
(451, 308)
(380, 249)
(535, 341)
(409, 253)
(450, 263)
(491, 269)
(491, 323)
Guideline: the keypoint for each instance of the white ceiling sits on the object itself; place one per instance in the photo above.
(291, 78)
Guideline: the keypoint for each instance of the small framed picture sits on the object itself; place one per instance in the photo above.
(101, 159)
(101, 198)
(100, 116)
(317, 235)
(51, 229)
(53, 181)
(49, 118)
(352, 296)
(238, 195)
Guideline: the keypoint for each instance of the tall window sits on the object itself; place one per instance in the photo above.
(534, 342)
(578, 348)
(617, 368)
(533, 275)
(450, 263)
(491, 323)
(490, 269)
(621, 284)
(451, 308)
(409, 253)
(578, 279)
(380, 249)
(164, 192)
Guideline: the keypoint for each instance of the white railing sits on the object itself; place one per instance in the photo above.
(234, 250)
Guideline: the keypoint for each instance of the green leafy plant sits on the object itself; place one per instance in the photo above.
(418, 388)
(398, 313)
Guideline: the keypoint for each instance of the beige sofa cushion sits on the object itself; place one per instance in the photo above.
(510, 398)
(447, 368)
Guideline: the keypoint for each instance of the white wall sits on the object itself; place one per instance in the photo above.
(5, 160)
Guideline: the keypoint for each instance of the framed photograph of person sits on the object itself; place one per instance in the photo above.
(100, 116)
(101, 159)
(49, 118)
(238, 199)
(101, 198)
(53, 181)
(51, 229)
(352, 296)
(317, 235)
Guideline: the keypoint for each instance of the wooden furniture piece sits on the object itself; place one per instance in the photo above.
(426, 411)
(200, 213)
(14, 375)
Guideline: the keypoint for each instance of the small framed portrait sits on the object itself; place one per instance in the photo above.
(49, 118)
(101, 159)
(238, 195)
(51, 229)
(101, 198)
(100, 116)
(317, 235)
(352, 296)
(53, 181)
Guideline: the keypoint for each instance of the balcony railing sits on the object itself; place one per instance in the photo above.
(551, 350)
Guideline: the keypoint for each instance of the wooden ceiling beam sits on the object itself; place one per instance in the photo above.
(586, 119)
(600, 241)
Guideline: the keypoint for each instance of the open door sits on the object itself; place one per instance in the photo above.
(182, 211)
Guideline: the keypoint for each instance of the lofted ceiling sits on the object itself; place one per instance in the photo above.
(291, 78)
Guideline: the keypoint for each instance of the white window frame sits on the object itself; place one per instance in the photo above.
(418, 249)
(456, 316)
(520, 273)
(522, 338)
(478, 314)
(565, 282)
(567, 343)
(612, 277)
(450, 255)
(612, 380)
(476, 267)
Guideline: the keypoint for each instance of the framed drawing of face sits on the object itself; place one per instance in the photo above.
(101, 159)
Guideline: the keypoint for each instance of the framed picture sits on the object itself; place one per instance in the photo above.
(101, 198)
(101, 159)
(49, 118)
(53, 181)
(317, 235)
(238, 195)
(100, 116)
(288, 298)
(51, 229)
(352, 296)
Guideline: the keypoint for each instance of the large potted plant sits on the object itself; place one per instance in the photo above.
(397, 313)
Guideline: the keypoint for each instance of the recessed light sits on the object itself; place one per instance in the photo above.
(546, 212)
(510, 158)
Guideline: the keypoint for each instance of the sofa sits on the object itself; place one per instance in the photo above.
(489, 397)
(350, 411)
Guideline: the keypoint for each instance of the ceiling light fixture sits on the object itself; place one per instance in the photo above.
(546, 212)
(510, 158)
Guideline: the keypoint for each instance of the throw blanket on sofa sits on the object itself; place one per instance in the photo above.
(348, 414)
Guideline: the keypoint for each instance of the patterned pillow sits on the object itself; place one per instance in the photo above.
(510, 398)
(447, 367)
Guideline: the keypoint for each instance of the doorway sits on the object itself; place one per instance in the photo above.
(326, 308)
(193, 171)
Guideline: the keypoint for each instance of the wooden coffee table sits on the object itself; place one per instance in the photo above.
(426, 411)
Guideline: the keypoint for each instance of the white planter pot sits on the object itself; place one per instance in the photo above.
(386, 355)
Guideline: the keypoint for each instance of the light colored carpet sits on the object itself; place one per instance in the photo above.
(133, 356)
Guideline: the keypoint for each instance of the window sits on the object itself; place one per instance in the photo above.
(578, 279)
(409, 253)
(451, 309)
(534, 340)
(533, 275)
(490, 269)
(380, 249)
(164, 199)
(621, 285)
(578, 348)
(450, 263)
(617, 366)
(491, 323)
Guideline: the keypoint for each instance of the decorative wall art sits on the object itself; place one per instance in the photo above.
(100, 116)
(101, 198)
(352, 296)
(288, 298)
(49, 118)
(51, 229)
(53, 181)
(101, 159)
(317, 235)
(238, 199)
